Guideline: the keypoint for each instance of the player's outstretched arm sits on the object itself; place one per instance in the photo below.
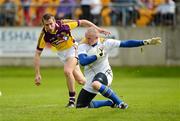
(37, 67)
(87, 23)
(137, 43)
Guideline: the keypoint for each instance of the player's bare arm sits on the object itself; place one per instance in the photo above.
(37, 67)
(87, 23)
(40, 46)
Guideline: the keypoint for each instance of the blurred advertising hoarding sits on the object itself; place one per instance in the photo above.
(22, 41)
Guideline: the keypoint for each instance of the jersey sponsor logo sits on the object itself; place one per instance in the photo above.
(66, 38)
(52, 39)
(59, 38)
(57, 42)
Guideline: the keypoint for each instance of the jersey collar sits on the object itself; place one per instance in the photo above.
(95, 43)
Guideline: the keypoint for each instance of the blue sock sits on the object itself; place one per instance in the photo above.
(100, 103)
(107, 92)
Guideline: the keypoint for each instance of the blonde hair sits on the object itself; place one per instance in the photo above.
(90, 31)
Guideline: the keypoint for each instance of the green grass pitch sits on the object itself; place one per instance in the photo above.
(153, 94)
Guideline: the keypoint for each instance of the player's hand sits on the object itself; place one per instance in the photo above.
(103, 31)
(153, 41)
(38, 80)
(100, 52)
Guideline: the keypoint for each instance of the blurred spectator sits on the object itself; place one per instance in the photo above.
(78, 11)
(165, 13)
(26, 11)
(158, 2)
(146, 13)
(52, 6)
(19, 14)
(100, 12)
(1, 14)
(8, 14)
(134, 11)
(95, 11)
(149, 4)
(127, 13)
(40, 7)
(1, 2)
(65, 9)
(106, 12)
(86, 7)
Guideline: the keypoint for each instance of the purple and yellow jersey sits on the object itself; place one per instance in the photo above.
(61, 39)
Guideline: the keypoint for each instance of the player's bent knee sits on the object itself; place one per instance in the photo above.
(68, 71)
(101, 77)
(96, 85)
(82, 81)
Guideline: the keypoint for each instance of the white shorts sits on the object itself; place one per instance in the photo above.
(89, 77)
(71, 52)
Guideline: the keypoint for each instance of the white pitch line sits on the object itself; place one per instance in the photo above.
(33, 107)
(42, 106)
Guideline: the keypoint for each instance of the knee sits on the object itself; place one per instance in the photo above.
(67, 72)
(81, 81)
(96, 85)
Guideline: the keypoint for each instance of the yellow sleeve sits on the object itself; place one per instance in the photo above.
(41, 43)
(102, 40)
(71, 23)
(83, 40)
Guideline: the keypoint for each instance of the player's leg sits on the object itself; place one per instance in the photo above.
(78, 75)
(99, 83)
(69, 66)
(100, 103)
(84, 99)
(68, 57)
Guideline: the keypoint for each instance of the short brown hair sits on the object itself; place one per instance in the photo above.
(47, 16)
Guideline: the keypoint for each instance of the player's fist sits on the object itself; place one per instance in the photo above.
(153, 41)
(38, 80)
